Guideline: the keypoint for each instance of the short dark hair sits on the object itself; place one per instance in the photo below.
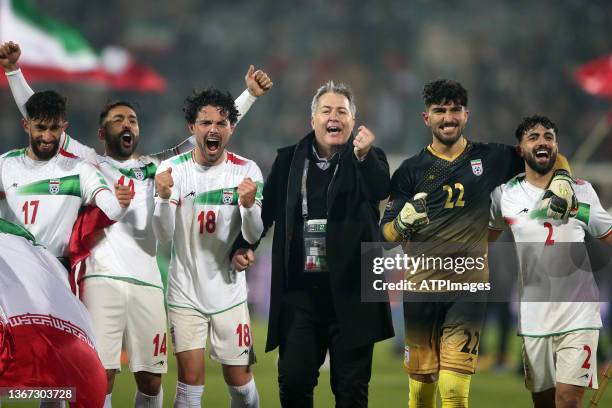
(111, 105)
(210, 97)
(444, 91)
(46, 105)
(532, 121)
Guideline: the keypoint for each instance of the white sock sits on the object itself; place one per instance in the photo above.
(107, 401)
(188, 396)
(149, 401)
(244, 396)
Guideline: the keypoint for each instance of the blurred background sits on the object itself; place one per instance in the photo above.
(515, 57)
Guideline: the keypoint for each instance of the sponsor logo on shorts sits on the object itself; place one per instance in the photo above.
(159, 363)
(245, 352)
(524, 210)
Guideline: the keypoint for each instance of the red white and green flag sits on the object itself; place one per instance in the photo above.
(595, 77)
(55, 52)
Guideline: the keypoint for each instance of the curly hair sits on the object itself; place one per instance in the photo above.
(445, 91)
(210, 97)
(532, 121)
(46, 105)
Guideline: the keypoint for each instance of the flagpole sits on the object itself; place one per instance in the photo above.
(592, 142)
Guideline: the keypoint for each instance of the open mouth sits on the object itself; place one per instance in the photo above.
(333, 130)
(127, 139)
(213, 143)
(542, 154)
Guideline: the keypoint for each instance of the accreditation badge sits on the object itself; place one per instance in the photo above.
(315, 248)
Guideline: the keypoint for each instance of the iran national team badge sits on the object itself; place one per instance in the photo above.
(477, 167)
(228, 197)
(54, 186)
(139, 174)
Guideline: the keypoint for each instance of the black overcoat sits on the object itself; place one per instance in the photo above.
(352, 205)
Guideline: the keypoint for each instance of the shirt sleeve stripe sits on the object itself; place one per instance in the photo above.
(605, 235)
(98, 190)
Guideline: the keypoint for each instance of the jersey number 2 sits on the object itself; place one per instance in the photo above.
(549, 241)
(26, 212)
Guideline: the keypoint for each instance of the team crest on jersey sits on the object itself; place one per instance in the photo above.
(228, 197)
(54, 186)
(139, 174)
(477, 167)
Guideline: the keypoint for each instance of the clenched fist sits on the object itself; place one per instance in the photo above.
(559, 200)
(246, 192)
(9, 55)
(412, 216)
(257, 81)
(363, 142)
(164, 183)
(242, 259)
(124, 195)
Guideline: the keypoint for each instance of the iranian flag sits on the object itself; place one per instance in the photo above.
(46, 334)
(55, 52)
(595, 77)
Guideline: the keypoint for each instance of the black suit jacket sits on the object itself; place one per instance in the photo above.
(352, 205)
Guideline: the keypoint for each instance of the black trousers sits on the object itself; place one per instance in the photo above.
(306, 337)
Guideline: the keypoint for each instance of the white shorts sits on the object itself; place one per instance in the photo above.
(120, 309)
(231, 339)
(569, 358)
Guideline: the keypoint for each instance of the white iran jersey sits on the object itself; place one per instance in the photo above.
(208, 221)
(549, 263)
(45, 196)
(129, 248)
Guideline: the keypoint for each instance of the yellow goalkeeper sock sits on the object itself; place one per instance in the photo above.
(422, 395)
(454, 389)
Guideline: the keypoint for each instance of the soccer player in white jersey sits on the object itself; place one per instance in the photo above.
(207, 199)
(559, 336)
(122, 286)
(43, 187)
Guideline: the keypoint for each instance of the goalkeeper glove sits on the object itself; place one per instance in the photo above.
(559, 201)
(412, 216)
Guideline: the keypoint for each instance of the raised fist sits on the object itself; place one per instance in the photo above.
(363, 142)
(164, 183)
(412, 216)
(246, 192)
(257, 81)
(9, 55)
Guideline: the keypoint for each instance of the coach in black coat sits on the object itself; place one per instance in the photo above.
(312, 313)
